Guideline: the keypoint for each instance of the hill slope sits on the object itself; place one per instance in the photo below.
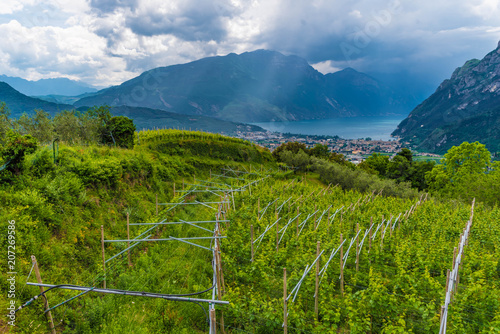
(465, 107)
(250, 87)
(146, 118)
(19, 103)
(59, 86)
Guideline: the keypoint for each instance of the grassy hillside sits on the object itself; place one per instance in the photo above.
(58, 211)
(399, 285)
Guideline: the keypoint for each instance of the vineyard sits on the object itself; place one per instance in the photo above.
(396, 254)
(256, 249)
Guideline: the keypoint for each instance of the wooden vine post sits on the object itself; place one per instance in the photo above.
(316, 287)
(128, 239)
(174, 188)
(157, 204)
(218, 271)
(357, 247)
(370, 238)
(285, 310)
(390, 227)
(341, 266)
(251, 241)
(315, 223)
(277, 233)
(212, 321)
(258, 208)
(46, 301)
(103, 257)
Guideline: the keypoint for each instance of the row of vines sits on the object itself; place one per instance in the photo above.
(398, 285)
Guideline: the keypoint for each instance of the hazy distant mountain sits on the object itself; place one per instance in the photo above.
(145, 118)
(465, 107)
(253, 86)
(19, 103)
(364, 95)
(59, 86)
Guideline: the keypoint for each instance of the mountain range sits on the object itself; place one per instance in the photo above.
(465, 107)
(57, 86)
(19, 103)
(253, 87)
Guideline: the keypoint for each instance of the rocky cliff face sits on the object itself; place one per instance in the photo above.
(465, 107)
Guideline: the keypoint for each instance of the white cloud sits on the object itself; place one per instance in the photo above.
(41, 52)
(486, 9)
(10, 7)
(356, 13)
(326, 67)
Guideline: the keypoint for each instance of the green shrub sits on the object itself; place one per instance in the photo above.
(99, 172)
(41, 163)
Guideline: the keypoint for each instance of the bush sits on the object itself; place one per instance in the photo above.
(41, 163)
(15, 150)
(95, 172)
(120, 132)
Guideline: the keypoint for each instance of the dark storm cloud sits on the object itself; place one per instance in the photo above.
(189, 20)
(194, 23)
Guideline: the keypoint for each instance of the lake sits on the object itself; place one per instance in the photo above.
(375, 127)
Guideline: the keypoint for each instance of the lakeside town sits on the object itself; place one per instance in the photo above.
(355, 150)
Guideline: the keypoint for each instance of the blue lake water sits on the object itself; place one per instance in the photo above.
(375, 127)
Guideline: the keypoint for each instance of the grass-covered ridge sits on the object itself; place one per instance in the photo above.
(60, 207)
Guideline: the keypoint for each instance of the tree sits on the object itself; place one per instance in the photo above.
(468, 158)
(39, 126)
(98, 118)
(120, 132)
(340, 159)
(16, 148)
(5, 123)
(417, 173)
(320, 151)
(66, 126)
(376, 162)
(300, 159)
(398, 168)
(292, 146)
(406, 153)
(463, 172)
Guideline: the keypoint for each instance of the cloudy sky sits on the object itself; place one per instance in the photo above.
(105, 42)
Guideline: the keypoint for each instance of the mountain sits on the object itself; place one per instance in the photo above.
(19, 103)
(254, 86)
(58, 86)
(146, 118)
(364, 95)
(465, 107)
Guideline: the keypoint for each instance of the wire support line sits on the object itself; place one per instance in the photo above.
(267, 229)
(129, 293)
(190, 243)
(193, 203)
(126, 249)
(267, 206)
(183, 222)
(332, 255)
(306, 271)
(229, 177)
(378, 227)
(168, 239)
(318, 221)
